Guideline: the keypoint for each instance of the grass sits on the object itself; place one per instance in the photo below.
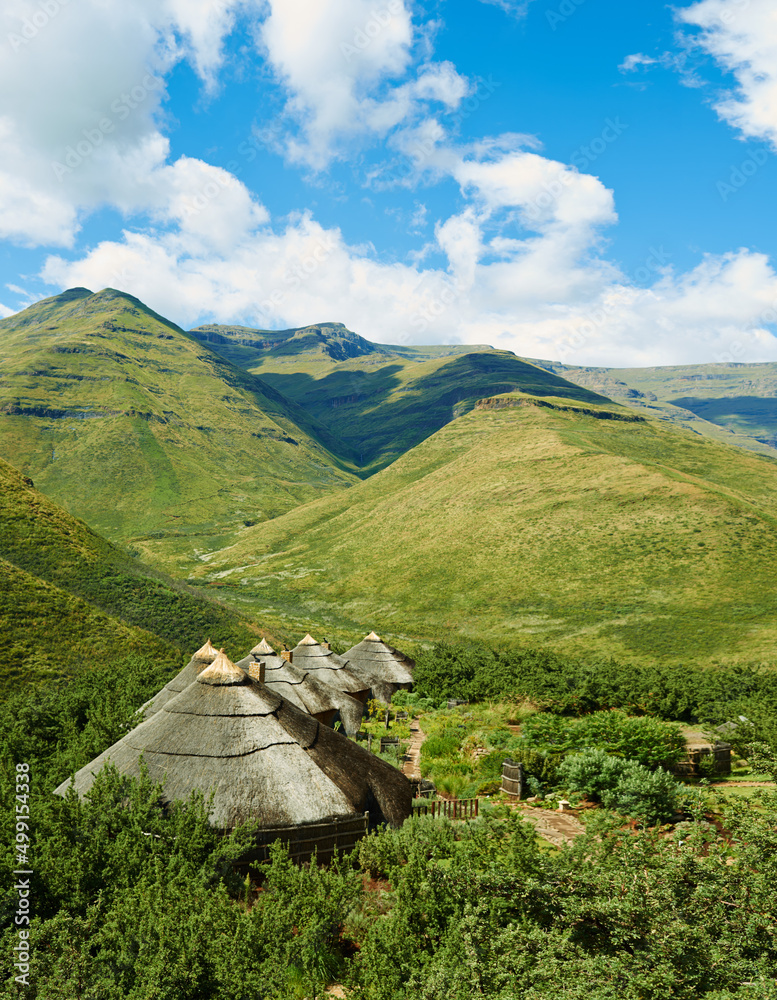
(71, 600)
(529, 523)
(728, 402)
(145, 433)
(465, 746)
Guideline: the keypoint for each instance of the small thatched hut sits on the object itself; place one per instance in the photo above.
(386, 669)
(319, 660)
(204, 656)
(301, 688)
(261, 757)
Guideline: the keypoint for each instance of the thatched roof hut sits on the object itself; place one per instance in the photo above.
(261, 757)
(300, 687)
(204, 656)
(386, 669)
(322, 663)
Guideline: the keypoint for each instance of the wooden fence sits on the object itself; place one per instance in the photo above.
(689, 766)
(452, 808)
(340, 835)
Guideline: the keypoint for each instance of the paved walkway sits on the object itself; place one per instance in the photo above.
(555, 827)
(412, 766)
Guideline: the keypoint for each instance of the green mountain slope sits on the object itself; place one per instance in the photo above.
(70, 600)
(379, 400)
(139, 429)
(729, 402)
(585, 526)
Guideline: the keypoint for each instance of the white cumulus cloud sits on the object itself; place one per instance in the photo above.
(535, 285)
(741, 35)
(82, 94)
(348, 67)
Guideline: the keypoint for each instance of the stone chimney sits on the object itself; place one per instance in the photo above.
(287, 655)
(256, 670)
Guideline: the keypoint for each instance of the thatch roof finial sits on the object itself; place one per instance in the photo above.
(222, 671)
(308, 641)
(206, 653)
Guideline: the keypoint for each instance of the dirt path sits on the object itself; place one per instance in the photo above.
(555, 827)
(742, 784)
(412, 766)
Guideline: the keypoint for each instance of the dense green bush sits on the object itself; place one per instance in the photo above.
(651, 796)
(642, 738)
(411, 699)
(566, 685)
(624, 786)
(591, 773)
(617, 916)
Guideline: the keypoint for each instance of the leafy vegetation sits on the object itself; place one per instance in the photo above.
(571, 686)
(624, 786)
(642, 738)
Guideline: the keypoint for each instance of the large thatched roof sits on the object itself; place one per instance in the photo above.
(302, 687)
(261, 757)
(311, 655)
(385, 669)
(205, 655)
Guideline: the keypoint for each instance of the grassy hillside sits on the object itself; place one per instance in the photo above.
(70, 600)
(139, 429)
(733, 403)
(583, 526)
(380, 400)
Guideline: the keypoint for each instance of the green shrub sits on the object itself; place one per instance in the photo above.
(445, 745)
(647, 795)
(642, 738)
(501, 738)
(378, 854)
(412, 700)
(591, 773)
(624, 786)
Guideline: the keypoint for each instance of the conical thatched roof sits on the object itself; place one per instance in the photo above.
(262, 649)
(260, 757)
(385, 668)
(205, 654)
(302, 688)
(327, 666)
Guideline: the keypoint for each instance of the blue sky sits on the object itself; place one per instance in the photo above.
(582, 180)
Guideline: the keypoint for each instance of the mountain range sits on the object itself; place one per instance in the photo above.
(135, 427)
(311, 477)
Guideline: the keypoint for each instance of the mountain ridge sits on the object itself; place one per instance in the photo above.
(530, 519)
(139, 428)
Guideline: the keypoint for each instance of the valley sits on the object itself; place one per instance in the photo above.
(536, 519)
(309, 478)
